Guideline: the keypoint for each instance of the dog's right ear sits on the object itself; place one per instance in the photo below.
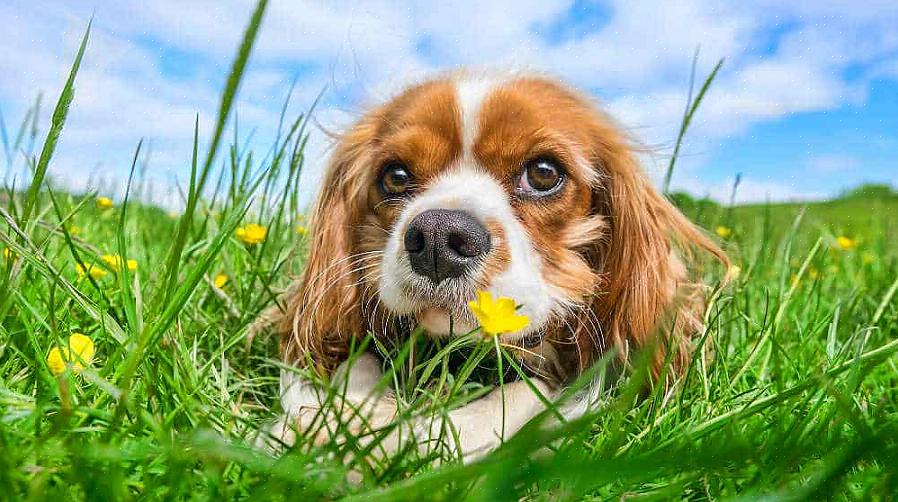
(324, 309)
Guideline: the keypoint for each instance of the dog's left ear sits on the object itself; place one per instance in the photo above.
(324, 308)
(646, 297)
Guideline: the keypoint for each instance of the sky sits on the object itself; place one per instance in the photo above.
(805, 105)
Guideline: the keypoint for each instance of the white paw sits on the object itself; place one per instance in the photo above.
(352, 407)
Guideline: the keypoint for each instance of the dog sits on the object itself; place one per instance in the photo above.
(509, 183)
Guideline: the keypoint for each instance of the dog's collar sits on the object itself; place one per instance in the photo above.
(532, 340)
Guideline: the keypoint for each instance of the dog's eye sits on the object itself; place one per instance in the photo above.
(395, 179)
(541, 176)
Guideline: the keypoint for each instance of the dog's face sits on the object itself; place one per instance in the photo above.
(514, 185)
(481, 184)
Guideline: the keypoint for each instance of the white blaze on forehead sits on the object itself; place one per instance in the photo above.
(468, 189)
(479, 194)
(471, 92)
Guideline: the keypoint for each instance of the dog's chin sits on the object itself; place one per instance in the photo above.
(439, 322)
(445, 315)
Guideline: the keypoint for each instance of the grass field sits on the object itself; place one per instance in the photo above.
(799, 400)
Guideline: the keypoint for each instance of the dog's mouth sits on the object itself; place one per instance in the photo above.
(442, 310)
(440, 321)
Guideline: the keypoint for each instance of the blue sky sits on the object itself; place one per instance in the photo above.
(805, 105)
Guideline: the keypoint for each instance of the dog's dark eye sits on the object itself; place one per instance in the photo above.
(541, 176)
(395, 179)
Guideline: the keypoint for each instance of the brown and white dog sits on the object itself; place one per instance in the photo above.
(510, 183)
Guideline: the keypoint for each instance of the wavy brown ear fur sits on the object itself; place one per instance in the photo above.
(324, 310)
(647, 298)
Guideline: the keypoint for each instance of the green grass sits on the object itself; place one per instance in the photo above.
(798, 401)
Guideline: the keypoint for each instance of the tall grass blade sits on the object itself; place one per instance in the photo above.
(691, 108)
(56, 124)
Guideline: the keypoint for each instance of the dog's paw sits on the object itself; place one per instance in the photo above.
(350, 407)
(346, 421)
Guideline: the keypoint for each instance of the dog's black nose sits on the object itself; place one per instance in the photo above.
(443, 243)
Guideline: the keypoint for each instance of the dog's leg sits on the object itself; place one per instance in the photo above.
(362, 409)
(484, 424)
(354, 401)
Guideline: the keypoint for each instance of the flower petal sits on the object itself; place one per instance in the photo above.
(81, 351)
(518, 322)
(55, 361)
(485, 299)
(505, 306)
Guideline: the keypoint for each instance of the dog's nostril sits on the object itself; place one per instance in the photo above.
(415, 242)
(467, 244)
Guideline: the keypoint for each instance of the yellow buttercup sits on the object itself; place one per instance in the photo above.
(497, 316)
(251, 234)
(115, 262)
(104, 202)
(77, 355)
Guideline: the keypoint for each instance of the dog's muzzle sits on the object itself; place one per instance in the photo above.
(443, 244)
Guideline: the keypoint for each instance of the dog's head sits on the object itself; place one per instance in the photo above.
(511, 184)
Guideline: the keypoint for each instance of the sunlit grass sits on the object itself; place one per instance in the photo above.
(797, 398)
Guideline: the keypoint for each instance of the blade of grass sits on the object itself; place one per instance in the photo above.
(224, 110)
(691, 108)
(56, 124)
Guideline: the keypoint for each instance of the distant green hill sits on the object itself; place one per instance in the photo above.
(876, 190)
(862, 212)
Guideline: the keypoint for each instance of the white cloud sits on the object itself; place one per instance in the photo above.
(151, 66)
(750, 190)
(886, 69)
(832, 163)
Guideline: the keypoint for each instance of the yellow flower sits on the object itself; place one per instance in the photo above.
(74, 230)
(220, 280)
(845, 243)
(497, 316)
(733, 272)
(812, 275)
(251, 234)
(301, 230)
(115, 262)
(9, 254)
(723, 231)
(104, 202)
(77, 355)
(89, 268)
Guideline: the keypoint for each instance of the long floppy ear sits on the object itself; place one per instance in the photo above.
(646, 297)
(324, 311)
